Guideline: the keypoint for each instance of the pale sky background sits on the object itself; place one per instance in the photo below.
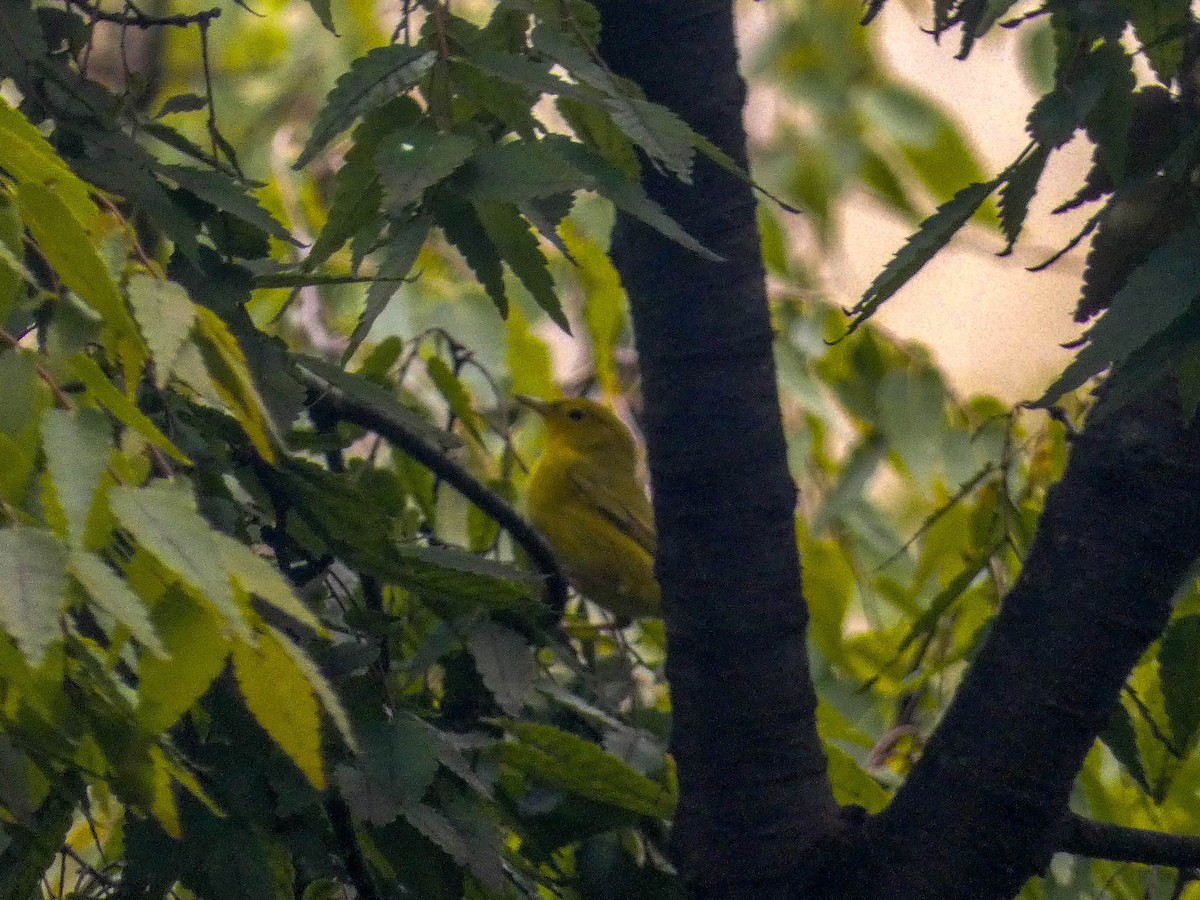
(993, 326)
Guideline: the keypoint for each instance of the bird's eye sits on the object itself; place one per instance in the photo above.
(576, 415)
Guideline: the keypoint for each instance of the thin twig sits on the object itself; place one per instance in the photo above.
(138, 19)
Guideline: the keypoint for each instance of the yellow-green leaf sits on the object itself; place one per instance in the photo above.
(231, 377)
(279, 695)
(71, 251)
(162, 517)
(28, 157)
(105, 393)
(192, 636)
(257, 576)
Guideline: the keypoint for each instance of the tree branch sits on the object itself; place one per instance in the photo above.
(1101, 840)
(134, 17)
(339, 405)
(980, 812)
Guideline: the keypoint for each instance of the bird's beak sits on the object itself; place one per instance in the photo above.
(538, 406)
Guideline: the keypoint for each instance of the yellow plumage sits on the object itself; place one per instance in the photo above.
(585, 497)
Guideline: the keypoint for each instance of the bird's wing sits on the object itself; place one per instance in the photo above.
(628, 511)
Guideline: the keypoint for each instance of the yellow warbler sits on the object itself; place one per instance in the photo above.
(585, 497)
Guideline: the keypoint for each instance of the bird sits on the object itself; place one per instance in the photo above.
(585, 497)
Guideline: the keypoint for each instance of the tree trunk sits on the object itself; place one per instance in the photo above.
(752, 772)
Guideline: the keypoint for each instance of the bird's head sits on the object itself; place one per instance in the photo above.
(583, 425)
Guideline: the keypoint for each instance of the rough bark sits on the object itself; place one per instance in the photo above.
(755, 798)
(981, 810)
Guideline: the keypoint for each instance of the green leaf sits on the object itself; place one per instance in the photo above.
(570, 763)
(520, 171)
(324, 13)
(396, 766)
(1120, 737)
(934, 233)
(506, 664)
(77, 446)
(1019, 188)
(13, 274)
(227, 195)
(330, 701)
(473, 851)
(33, 588)
(1109, 120)
(18, 381)
(404, 246)
(529, 359)
(518, 247)
(852, 785)
(1179, 671)
(409, 160)
(463, 229)
(30, 159)
(166, 316)
(357, 195)
(371, 81)
(113, 595)
(71, 251)
(605, 307)
(1056, 116)
(167, 687)
(454, 392)
(282, 700)
(105, 393)
(162, 517)
(1156, 294)
(1160, 27)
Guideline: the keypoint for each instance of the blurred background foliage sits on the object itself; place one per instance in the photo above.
(917, 507)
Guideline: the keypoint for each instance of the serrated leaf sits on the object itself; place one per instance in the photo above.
(33, 588)
(934, 233)
(506, 664)
(162, 517)
(463, 229)
(570, 763)
(330, 702)
(259, 577)
(282, 700)
(105, 393)
(518, 247)
(180, 103)
(1160, 27)
(519, 171)
(1109, 120)
(371, 81)
(356, 197)
(1179, 671)
(77, 447)
(396, 766)
(1120, 737)
(166, 316)
(625, 195)
(1057, 115)
(409, 160)
(197, 650)
(477, 856)
(1156, 294)
(227, 195)
(604, 303)
(403, 247)
(113, 595)
(230, 374)
(29, 158)
(70, 250)
(1019, 188)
